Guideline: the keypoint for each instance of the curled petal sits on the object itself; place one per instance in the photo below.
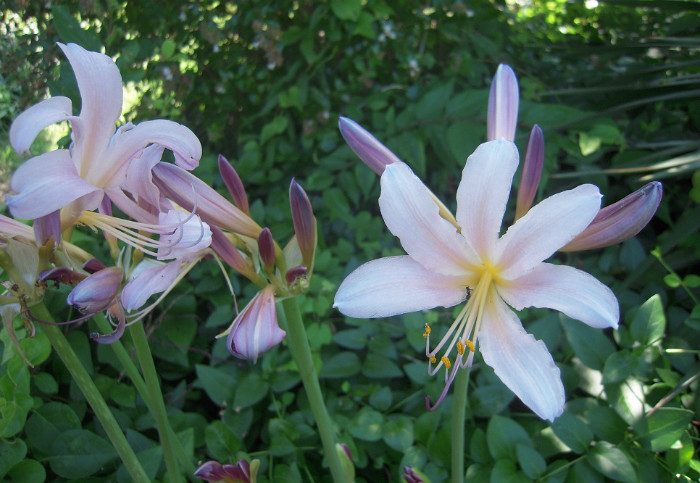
(148, 279)
(373, 153)
(97, 292)
(190, 235)
(396, 285)
(483, 192)
(32, 121)
(620, 221)
(532, 171)
(566, 289)
(503, 105)
(544, 229)
(117, 312)
(412, 215)
(46, 183)
(255, 330)
(139, 180)
(523, 363)
(184, 188)
(234, 185)
(304, 222)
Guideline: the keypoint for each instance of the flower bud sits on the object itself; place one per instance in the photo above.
(61, 275)
(345, 457)
(619, 221)
(241, 472)
(97, 292)
(532, 171)
(223, 247)
(411, 475)
(234, 185)
(373, 153)
(93, 265)
(255, 330)
(266, 247)
(304, 223)
(503, 105)
(295, 273)
(187, 191)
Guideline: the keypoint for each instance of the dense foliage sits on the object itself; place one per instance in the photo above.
(615, 87)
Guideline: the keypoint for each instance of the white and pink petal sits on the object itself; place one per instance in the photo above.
(32, 121)
(396, 285)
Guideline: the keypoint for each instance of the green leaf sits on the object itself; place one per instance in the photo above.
(218, 383)
(478, 448)
(47, 422)
(573, 432)
(355, 339)
(377, 366)
(381, 398)
(79, 453)
(590, 345)
(318, 335)
(221, 441)
(167, 48)
(27, 471)
(398, 434)
(505, 471)
(250, 390)
(606, 424)
(273, 128)
(503, 435)
(346, 9)
(69, 29)
(612, 462)
(664, 427)
(619, 366)
(649, 321)
(343, 364)
(531, 462)
(11, 453)
(367, 425)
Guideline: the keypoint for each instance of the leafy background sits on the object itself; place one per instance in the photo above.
(615, 87)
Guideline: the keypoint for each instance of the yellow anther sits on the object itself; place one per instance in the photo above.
(470, 344)
(433, 360)
(446, 361)
(427, 331)
(460, 347)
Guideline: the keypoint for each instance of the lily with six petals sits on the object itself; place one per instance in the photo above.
(449, 263)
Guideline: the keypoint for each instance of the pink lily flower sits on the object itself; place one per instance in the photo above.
(76, 179)
(449, 264)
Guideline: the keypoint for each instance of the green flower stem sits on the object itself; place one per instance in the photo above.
(157, 406)
(135, 376)
(298, 344)
(64, 350)
(459, 411)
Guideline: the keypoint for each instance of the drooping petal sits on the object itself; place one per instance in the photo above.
(531, 172)
(566, 289)
(411, 214)
(148, 281)
(396, 285)
(373, 153)
(523, 363)
(547, 227)
(100, 86)
(189, 235)
(503, 105)
(47, 183)
(139, 179)
(483, 192)
(256, 330)
(620, 221)
(32, 121)
(11, 228)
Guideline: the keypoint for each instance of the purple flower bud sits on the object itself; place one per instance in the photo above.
(234, 184)
(619, 221)
(48, 227)
(266, 247)
(255, 330)
(412, 476)
(61, 275)
(304, 223)
(187, 190)
(373, 153)
(93, 265)
(346, 462)
(532, 171)
(223, 247)
(503, 105)
(238, 473)
(97, 292)
(295, 273)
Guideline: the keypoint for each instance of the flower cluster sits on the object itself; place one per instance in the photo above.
(464, 258)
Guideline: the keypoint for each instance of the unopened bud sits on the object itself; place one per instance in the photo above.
(532, 171)
(304, 223)
(234, 185)
(266, 247)
(619, 221)
(97, 292)
(295, 273)
(345, 457)
(223, 247)
(412, 475)
(373, 153)
(503, 105)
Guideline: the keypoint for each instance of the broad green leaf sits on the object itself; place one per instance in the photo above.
(69, 29)
(503, 435)
(27, 471)
(47, 422)
(530, 461)
(649, 321)
(619, 366)
(346, 9)
(573, 432)
(478, 448)
(664, 427)
(251, 389)
(78, 453)
(381, 398)
(590, 345)
(219, 384)
(612, 462)
(11, 453)
(367, 425)
(398, 434)
(221, 441)
(505, 471)
(351, 339)
(376, 366)
(342, 364)
(606, 424)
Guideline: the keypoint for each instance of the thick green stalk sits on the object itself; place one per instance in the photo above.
(298, 344)
(135, 376)
(143, 352)
(64, 350)
(459, 411)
